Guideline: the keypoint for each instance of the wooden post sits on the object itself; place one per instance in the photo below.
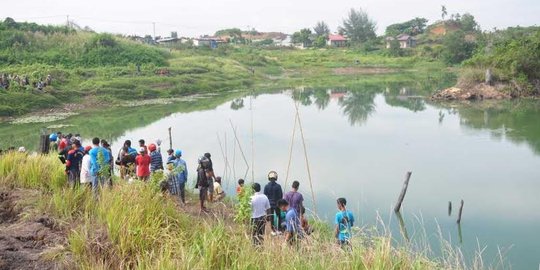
(460, 212)
(403, 191)
(44, 144)
(460, 235)
(402, 226)
(449, 208)
(170, 139)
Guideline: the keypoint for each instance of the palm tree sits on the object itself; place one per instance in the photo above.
(358, 106)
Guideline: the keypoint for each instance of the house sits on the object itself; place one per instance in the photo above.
(206, 41)
(336, 41)
(405, 41)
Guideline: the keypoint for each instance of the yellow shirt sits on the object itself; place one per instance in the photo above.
(217, 188)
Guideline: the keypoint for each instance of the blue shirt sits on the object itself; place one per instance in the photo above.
(181, 170)
(94, 164)
(292, 221)
(345, 220)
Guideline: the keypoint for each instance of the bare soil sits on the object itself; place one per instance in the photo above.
(25, 241)
(478, 91)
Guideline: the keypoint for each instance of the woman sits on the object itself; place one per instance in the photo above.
(85, 168)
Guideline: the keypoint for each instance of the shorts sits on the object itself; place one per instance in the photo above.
(203, 191)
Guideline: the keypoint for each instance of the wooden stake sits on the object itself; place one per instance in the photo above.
(403, 192)
(170, 139)
(460, 212)
(402, 226)
(449, 208)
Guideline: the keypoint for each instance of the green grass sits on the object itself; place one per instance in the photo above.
(133, 226)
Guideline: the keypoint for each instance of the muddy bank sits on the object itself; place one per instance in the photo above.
(362, 70)
(479, 91)
(27, 241)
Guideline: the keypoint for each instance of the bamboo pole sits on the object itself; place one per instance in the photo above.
(403, 192)
(460, 212)
(240, 148)
(402, 227)
(306, 157)
(252, 141)
(291, 148)
(449, 208)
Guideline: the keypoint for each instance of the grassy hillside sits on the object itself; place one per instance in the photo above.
(137, 227)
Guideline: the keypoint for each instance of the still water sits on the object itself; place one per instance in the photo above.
(360, 145)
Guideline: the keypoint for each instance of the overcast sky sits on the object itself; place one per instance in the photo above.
(197, 17)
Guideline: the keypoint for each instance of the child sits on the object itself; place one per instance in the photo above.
(344, 221)
(240, 186)
(143, 165)
(304, 222)
(219, 194)
(156, 162)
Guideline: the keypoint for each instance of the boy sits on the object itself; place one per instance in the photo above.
(292, 220)
(143, 165)
(73, 164)
(182, 174)
(239, 187)
(219, 194)
(156, 161)
(344, 221)
(260, 205)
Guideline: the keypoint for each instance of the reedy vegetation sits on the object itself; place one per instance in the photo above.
(136, 227)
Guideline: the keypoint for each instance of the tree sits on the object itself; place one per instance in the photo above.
(303, 36)
(321, 29)
(412, 27)
(443, 12)
(358, 26)
(457, 48)
(468, 23)
(320, 42)
(395, 49)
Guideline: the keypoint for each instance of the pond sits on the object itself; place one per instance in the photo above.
(359, 145)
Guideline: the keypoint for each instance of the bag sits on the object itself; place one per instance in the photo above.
(202, 180)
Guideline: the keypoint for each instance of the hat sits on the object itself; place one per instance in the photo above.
(22, 149)
(272, 175)
(152, 147)
(178, 153)
(142, 150)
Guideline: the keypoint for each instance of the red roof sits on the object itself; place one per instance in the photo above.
(336, 38)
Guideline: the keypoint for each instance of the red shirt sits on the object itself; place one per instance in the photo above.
(143, 165)
(63, 144)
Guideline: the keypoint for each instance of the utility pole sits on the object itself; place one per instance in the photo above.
(154, 25)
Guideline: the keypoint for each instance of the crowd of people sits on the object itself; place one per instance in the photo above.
(93, 166)
(6, 80)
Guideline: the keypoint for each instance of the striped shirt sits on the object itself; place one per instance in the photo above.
(156, 162)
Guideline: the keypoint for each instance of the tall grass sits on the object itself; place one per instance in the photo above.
(134, 226)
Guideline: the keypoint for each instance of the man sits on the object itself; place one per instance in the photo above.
(143, 165)
(202, 182)
(156, 161)
(273, 191)
(260, 206)
(86, 178)
(182, 174)
(73, 164)
(219, 194)
(99, 162)
(107, 146)
(344, 221)
(292, 222)
(295, 198)
(209, 169)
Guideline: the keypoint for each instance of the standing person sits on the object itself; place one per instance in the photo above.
(344, 222)
(295, 198)
(142, 144)
(107, 146)
(273, 191)
(240, 187)
(86, 178)
(73, 164)
(53, 145)
(143, 165)
(202, 182)
(156, 161)
(260, 206)
(126, 159)
(171, 157)
(292, 221)
(182, 174)
(219, 194)
(209, 169)
(99, 161)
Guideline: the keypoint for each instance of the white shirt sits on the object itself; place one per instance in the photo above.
(85, 169)
(259, 205)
